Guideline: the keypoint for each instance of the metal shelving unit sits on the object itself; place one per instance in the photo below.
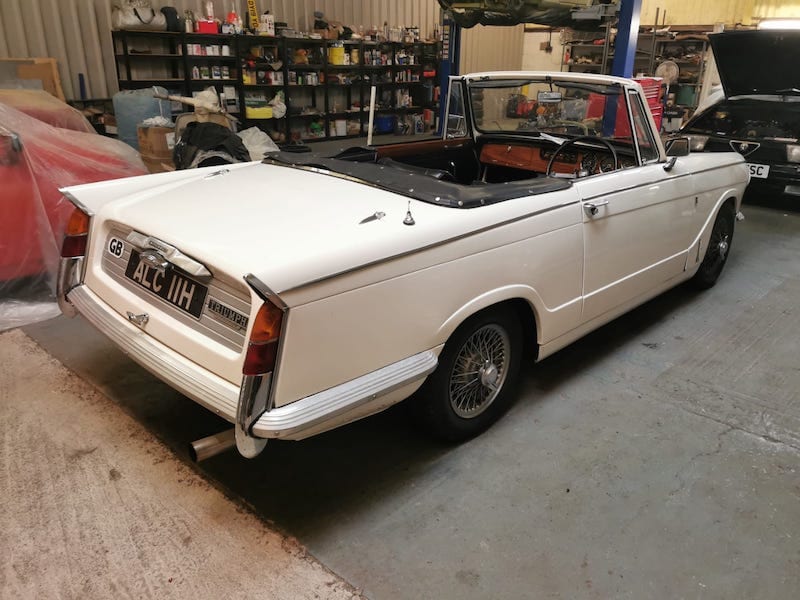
(325, 83)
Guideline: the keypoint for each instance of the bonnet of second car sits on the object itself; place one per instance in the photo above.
(758, 61)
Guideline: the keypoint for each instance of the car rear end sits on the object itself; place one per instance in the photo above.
(174, 268)
(198, 327)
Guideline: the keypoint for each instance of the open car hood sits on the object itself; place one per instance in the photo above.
(758, 62)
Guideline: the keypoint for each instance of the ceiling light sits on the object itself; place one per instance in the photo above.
(779, 24)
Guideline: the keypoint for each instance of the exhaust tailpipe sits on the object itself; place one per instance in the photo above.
(212, 445)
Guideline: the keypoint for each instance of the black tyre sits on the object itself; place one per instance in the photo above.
(719, 246)
(476, 379)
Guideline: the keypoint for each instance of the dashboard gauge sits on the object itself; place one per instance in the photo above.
(606, 164)
(589, 162)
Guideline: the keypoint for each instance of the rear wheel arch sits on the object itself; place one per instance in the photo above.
(478, 373)
(717, 247)
(523, 311)
(521, 300)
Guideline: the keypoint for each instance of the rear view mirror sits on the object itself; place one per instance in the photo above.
(678, 146)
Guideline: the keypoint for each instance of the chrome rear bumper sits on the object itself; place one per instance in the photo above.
(308, 416)
(202, 386)
(347, 402)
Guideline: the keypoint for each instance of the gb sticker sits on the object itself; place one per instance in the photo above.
(115, 247)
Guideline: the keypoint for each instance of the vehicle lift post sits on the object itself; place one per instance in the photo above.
(624, 54)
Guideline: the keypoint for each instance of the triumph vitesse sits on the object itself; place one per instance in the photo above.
(302, 292)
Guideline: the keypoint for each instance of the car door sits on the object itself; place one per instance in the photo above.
(634, 221)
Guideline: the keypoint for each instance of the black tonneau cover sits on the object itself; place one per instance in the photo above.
(420, 184)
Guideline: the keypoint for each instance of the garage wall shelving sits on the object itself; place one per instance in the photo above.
(593, 52)
(325, 84)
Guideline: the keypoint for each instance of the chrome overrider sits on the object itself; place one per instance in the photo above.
(254, 401)
(70, 275)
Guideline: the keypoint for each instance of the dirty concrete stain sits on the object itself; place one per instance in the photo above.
(79, 529)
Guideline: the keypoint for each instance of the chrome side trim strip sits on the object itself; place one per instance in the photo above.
(655, 182)
(336, 401)
(202, 386)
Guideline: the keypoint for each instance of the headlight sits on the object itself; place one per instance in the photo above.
(697, 143)
(793, 153)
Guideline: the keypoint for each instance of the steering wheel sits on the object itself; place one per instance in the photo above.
(582, 138)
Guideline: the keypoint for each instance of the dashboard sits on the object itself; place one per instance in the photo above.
(534, 158)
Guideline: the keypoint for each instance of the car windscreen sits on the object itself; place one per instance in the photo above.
(750, 119)
(535, 107)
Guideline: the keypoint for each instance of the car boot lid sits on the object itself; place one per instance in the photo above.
(289, 226)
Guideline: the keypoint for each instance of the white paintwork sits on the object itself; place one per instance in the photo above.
(362, 297)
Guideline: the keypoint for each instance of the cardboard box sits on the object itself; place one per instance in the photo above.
(155, 147)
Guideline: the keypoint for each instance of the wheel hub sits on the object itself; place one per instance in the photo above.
(479, 371)
(489, 375)
(723, 246)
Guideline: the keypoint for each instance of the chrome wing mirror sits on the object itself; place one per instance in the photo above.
(676, 147)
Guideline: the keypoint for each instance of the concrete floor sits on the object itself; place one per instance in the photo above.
(657, 458)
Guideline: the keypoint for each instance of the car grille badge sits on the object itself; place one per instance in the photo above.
(744, 148)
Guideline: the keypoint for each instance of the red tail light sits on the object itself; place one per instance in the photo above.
(76, 234)
(262, 348)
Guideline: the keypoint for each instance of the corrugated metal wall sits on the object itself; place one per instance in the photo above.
(692, 12)
(492, 48)
(729, 12)
(776, 8)
(77, 32)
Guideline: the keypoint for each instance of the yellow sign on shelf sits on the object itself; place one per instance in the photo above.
(252, 12)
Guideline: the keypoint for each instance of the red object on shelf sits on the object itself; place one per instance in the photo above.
(206, 26)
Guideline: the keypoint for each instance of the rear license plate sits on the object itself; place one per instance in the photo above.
(759, 171)
(175, 288)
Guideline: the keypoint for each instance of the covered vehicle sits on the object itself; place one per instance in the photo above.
(303, 292)
(45, 144)
(759, 115)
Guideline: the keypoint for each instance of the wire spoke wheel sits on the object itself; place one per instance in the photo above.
(719, 246)
(477, 376)
(719, 243)
(479, 371)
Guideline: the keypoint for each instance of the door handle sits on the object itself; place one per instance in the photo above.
(591, 208)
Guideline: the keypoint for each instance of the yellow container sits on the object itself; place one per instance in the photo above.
(336, 55)
(258, 112)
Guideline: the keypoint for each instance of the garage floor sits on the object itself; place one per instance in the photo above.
(657, 458)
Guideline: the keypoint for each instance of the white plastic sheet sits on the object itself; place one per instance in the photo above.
(257, 143)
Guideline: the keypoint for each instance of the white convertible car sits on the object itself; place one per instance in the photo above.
(302, 292)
